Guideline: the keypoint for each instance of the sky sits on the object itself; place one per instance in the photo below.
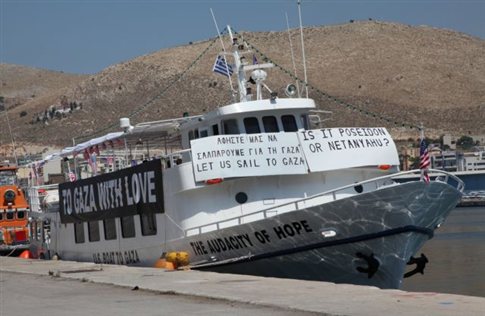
(86, 36)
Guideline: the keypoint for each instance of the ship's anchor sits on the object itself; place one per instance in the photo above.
(420, 265)
(372, 264)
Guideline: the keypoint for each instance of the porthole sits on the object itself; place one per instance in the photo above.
(241, 198)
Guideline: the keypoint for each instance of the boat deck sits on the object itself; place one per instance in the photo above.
(292, 295)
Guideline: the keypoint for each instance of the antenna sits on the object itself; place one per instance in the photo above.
(11, 136)
(224, 49)
(303, 50)
(292, 55)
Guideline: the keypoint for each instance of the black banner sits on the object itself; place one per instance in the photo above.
(129, 191)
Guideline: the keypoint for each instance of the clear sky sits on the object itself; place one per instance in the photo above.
(85, 36)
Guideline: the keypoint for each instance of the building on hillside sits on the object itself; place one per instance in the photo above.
(473, 161)
(445, 160)
(450, 140)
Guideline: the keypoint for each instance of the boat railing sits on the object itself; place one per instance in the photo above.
(379, 182)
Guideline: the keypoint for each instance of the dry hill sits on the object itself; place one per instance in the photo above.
(373, 69)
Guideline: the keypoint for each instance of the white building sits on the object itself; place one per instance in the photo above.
(473, 161)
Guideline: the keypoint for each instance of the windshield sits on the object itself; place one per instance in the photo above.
(7, 177)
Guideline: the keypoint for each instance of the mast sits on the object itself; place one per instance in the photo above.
(303, 50)
(241, 77)
(292, 55)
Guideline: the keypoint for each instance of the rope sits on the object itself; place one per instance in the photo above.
(328, 96)
(150, 102)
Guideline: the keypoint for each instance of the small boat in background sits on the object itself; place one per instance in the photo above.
(14, 213)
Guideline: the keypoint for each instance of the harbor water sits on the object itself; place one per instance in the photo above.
(456, 256)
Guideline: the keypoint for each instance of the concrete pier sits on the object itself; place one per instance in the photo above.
(249, 294)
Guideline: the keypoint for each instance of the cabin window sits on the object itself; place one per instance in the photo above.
(93, 231)
(1, 216)
(9, 215)
(251, 125)
(79, 232)
(215, 129)
(20, 214)
(31, 230)
(270, 124)
(289, 123)
(196, 133)
(109, 226)
(127, 227)
(36, 231)
(191, 135)
(204, 133)
(148, 224)
(43, 231)
(230, 127)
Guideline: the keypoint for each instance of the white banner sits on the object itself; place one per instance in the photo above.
(338, 148)
(227, 156)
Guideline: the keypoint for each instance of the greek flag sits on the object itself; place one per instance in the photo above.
(221, 67)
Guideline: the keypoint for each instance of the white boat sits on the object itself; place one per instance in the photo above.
(251, 188)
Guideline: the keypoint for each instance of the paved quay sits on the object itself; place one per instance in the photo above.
(249, 294)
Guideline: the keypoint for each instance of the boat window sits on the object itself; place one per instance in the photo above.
(215, 129)
(79, 232)
(93, 231)
(127, 227)
(289, 123)
(9, 215)
(204, 133)
(251, 125)
(43, 229)
(230, 127)
(148, 224)
(270, 124)
(7, 177)
(31, 230)
(109, 226)
(20, 214)
(1, 216)
(196, 133)
(191, 135)
(36, 231)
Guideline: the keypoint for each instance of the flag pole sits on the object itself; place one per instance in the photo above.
(421, 137)
(224, 49)
(424, 158)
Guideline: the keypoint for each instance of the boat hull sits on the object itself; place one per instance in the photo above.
(329, 242)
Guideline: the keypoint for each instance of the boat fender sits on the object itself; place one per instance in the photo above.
(26, 254)
(177, 258)
(420, 263)
(372, 264)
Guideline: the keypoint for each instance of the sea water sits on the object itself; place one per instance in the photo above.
(456, 256)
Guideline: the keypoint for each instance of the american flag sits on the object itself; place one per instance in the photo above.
(221, 66)
(424, 161)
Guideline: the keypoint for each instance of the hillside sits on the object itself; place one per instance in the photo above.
(406, 74)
